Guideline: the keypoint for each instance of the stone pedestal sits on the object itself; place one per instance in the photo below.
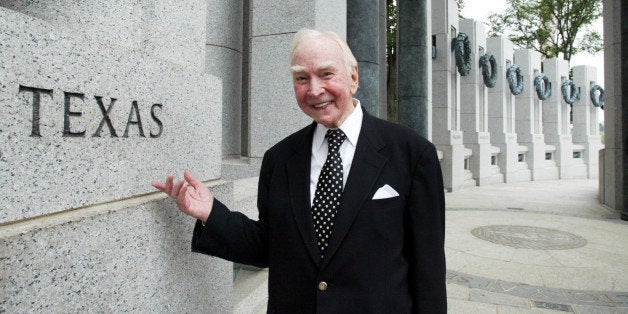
(556, 124)
(501, 115)
(447, 134)
(96, 101)
(474, 111)
(586, 129)
(529, 119)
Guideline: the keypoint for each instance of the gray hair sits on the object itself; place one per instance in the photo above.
(306, 33)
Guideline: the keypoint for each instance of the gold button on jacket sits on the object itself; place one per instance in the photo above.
(322, 286)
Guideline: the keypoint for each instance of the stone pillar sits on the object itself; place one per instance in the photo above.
(223, 59)
(274, 113)
(474, 110)
(96, 101)
(413, 62)
(447, 134)
(363, 36)
(586, 128)
(383, 69)
(556, 124)
(501, 115)
(529, 119)
(615, 120)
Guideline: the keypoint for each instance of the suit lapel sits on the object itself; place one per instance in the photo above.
(365, 170)
(298, 168)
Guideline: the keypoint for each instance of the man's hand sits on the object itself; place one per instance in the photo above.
(196, 202)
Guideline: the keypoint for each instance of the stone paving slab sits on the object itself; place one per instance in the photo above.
(502, 292)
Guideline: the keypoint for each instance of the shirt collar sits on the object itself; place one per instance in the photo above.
(351, 127)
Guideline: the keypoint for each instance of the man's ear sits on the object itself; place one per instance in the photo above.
(355, 80)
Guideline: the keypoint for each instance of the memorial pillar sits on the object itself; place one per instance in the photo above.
(447, 134)
(556, 121)
(501, 115)
(96, 101)
(474, 110)
(529, 119)
(586, 128)
(274, 112)
(223, 58)
(615, 163)
(363, 37)
(413, 63)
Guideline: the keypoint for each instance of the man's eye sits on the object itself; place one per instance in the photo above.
(328, 74)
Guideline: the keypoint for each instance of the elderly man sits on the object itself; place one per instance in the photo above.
(351, 207)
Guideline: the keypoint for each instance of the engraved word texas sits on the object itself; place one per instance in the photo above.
(134, 117)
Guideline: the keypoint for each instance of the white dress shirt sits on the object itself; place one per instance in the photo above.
(351, 127)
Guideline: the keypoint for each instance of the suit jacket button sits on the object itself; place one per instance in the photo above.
(322, 286)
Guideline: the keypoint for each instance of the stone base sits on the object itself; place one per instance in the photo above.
(577, 170)
(547, 171)
(520, 174)
(493, 177)
(455, 176)
(124, 256)
(237, 168)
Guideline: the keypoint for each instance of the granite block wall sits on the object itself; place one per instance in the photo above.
(91, 111)
(85, 122)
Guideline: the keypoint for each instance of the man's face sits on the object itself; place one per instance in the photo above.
(322, 86)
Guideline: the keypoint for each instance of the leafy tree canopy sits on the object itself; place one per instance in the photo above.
(552, 27)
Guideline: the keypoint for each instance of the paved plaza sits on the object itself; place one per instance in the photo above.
(533, 246)
(529, 247)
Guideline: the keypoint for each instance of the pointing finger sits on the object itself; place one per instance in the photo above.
(192, 180)
(175, 190)
(169, 179)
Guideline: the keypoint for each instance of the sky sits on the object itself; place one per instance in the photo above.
(480, 10)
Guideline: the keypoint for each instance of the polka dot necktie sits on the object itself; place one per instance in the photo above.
(328, 191)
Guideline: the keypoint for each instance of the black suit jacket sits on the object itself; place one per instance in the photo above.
(384, 256)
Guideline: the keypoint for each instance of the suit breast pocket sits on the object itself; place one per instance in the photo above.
(395, 203)
(381, 220)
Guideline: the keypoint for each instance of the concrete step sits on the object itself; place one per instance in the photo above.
(250, 291)
(245, 196)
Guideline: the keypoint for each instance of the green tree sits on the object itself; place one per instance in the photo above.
(554, 28)
(460, 4)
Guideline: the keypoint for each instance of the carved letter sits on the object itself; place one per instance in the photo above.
(36, 104)
(156, 119)
(134, 108)
(105, 117)
(67, 113)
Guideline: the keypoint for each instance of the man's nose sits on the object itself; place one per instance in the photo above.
(316, 87)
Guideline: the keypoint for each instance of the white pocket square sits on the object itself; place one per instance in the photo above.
(385, 191)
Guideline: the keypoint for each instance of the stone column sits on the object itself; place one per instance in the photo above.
(447, 134)
(615, 116)
(223, 58)
(474, 110)
(120, 98)
(529, 119)
(363, 36)
(413, 62)
(556, 124)
(274, 113)
(586, 128)
(501, 115)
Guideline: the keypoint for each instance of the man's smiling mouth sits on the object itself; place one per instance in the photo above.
(322, 105)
